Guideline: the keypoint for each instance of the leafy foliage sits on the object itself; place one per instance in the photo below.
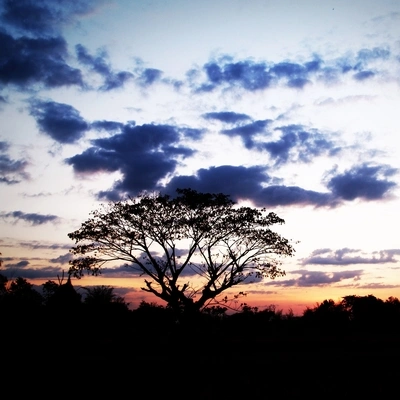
(103, 296)
(19, 293)
(191, 248)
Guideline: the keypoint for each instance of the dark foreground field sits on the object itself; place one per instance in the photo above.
(259, 369)
(118, 360)
(58, 346)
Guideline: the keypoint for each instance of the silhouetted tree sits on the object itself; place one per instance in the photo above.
(392, 313)
(21, 294)
(327, 317)
(104, 297)
(106, 313)
(392, 304)
(206, 244)
(366, 312)
(49, 288)
(61, 295)
(153, 318)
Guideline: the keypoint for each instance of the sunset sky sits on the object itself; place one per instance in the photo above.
(292, 106)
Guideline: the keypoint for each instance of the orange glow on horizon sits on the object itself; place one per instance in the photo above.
(296, 299)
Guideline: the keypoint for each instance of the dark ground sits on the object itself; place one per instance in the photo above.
(192, 363)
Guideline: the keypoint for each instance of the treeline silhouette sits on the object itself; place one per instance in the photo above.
(59, 300)
(224, 354)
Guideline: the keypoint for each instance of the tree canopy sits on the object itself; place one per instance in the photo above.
(190, 248)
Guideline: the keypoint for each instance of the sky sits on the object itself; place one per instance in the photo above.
(291, 106)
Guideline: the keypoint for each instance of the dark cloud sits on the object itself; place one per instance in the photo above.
(377, 53)
(27, 61)
(287, 69)
(61, 122)
(11, 171)
(298, 83)
(280, 195)
(296, 74)
(146, 154)
(36, 245)
(226, 116)
(100, 64)
(316, 278)
(32, 218)
(291, 70)
(97, 63)
(63, 259)
(116, 80)
(253, 76)
(149, 76)
(348, 256)
(43, 17)
(358, 64)
(299, 144)
(18, 265)
(365, 182)
(122, 271)
(257, 76)
(363, 75)
(192, 133)
(247, 132)
(246, 74)
(11, 272)
(95, 160)
(279, 149)
(296, 143)
(110, 126)
(247, 183)
(143, 154)
(238, 182)
(4, 146)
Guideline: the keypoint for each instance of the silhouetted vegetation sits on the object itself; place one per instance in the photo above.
(169, 240)
(358, 333)
(352, 315)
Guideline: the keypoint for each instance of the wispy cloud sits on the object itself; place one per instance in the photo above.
(31, 218)
(100, 65)
(11, 171)
(348, 256)
(229, 117)
(226, 72)
(316, 278)
(12, 271)
(33, 244)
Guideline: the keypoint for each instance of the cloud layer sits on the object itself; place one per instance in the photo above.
(260, 127)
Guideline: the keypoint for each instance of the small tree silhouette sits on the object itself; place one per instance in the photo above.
(21, 294)
(104, 297)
